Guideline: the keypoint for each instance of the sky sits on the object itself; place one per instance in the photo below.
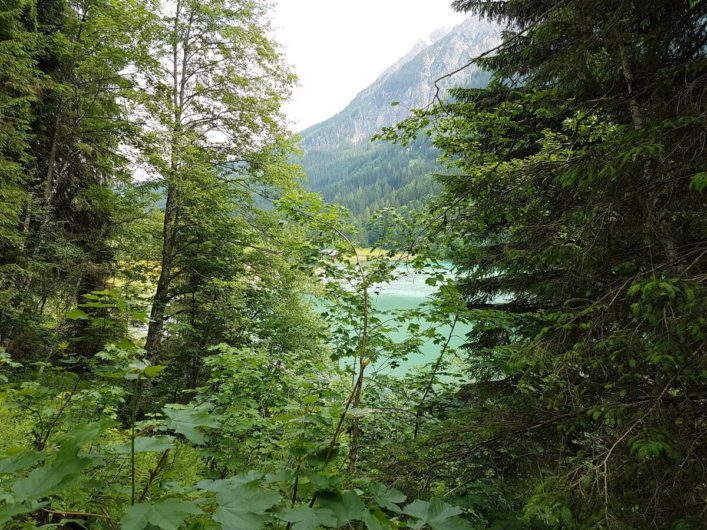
(339, 47)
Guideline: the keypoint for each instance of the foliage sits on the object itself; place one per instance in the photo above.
(146, 169)
(369, 177)
(127, 213)
(573, 205)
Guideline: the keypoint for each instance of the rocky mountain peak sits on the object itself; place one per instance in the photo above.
(409, 82)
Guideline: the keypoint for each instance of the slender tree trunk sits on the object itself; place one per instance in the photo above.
(356, 402)
(159, 302)
(634, 107)
(153, 342)
(49, 187)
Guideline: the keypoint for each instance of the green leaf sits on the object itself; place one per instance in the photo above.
(306, 518)
(280, 476)
(126, 345)
(188, 421)
(6, 360)
(50, 479)
(699, 181)
(437, 514)
(346, 507)
(146, 444)
(168, 514)
(243, 507)
(72, 442)
(153, 371)
(8, 511)
(19, 461)
(217, 486)
(142, 368)
(324, 482)
(76, 314)
(63, 471)
(376, 520)
(387, 497)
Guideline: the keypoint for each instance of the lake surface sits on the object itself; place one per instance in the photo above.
(409, 291)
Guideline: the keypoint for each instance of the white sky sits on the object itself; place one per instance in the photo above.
(339, 47)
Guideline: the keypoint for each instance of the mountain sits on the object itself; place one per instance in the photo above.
(346, 167)
(409, 82)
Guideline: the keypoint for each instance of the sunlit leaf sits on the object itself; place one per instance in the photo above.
(76, 314)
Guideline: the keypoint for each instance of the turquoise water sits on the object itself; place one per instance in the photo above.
(409, 291)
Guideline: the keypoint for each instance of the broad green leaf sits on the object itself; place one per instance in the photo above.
(19, 461)
(76, 314)
(376, 520)
(188, 421)
(323, 482)
(437, 514)
(142, 368)
(63, 471)
(8, 511)
(136, 369)
(306, 518)
(146, 444)
(242, 507)
(153, 371)
(72, 442)
(280, 476)
(216, 486)
(168, 514)
(387, 497)
(49, 479)
(126, 344)
(346, 507)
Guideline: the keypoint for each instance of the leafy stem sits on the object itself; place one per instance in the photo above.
(43, 442)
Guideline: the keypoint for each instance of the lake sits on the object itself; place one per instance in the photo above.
(409, 291)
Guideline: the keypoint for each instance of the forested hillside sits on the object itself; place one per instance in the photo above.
(345, 166)
(368, 177)
(190, 340)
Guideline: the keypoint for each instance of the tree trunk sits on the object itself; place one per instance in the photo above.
(155, 327)
(49, 188)
(363, 362)
(153, 342)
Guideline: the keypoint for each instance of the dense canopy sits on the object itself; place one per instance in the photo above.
(190, 339)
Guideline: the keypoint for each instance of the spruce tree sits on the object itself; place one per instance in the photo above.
(575, 207)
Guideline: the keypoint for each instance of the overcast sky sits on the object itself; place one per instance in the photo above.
(339, 47)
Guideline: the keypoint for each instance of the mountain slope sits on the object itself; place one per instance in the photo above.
(410, 82)
(339, 158)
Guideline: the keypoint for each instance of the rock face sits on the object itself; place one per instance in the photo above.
(410, 82)
(346, 167)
